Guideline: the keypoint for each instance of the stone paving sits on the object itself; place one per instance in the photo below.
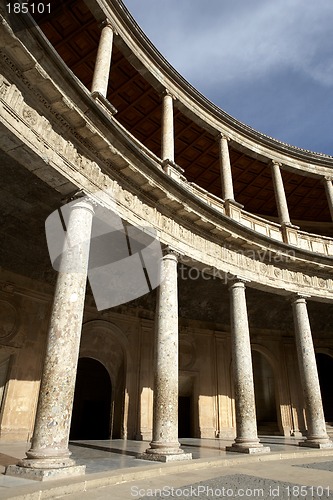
(113, 472)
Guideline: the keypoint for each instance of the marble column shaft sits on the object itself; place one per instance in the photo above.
(50, 439)
(165, 445)
(280, 195)
(103, 61)
(165, 419)
(317, 436)
(246, 424)
(329, 193)
(225, 169)
(168, 147)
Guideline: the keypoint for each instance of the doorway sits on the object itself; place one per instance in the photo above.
(185, 417)
(325, 372)
(264, 388)
(91, 416)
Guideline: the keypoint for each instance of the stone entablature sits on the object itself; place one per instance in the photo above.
(99, 155)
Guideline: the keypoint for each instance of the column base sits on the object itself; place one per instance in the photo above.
(233, 209)
(39, 474)
(161, 457)
(296, 434)
(250, 449)
(104, 102)
(316, 444)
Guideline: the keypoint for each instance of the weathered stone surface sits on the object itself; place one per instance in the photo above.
(246, 424)
(39, 474)
(165, 413)
(316, 435)
(103, 61)
(49, 448)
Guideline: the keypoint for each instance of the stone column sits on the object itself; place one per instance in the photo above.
(225, 169)
(246, 424)
(49, 456)
(280, 194)
(165, 445)
(103, 61)
(329, 193)
(316, 436)
(167, 146)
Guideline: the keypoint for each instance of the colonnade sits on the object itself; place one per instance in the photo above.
(99, 89)
(49, 454)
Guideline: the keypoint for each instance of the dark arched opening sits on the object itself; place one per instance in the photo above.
(92, 401)
(325, 372)
(264, 387)
(186, 407)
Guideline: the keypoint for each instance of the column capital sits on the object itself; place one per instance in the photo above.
(275, 162)
(81, 197)
(166, 92)
(170, 252)
(298, 297)
(235, 281)
(106, 23)
(327, 178)
(223, 135)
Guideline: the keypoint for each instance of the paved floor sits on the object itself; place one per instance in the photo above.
(113, 472)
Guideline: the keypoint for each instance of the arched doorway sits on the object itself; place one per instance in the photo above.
(325, 372)
(264, 388)
(91, 414)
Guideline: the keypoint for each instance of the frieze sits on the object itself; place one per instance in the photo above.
(307, 280)
(30, 116)
(278, 272)
(321, 283)
(4, 86)
(50, 138)
(51, 108)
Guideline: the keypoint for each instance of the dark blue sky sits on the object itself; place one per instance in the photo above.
(267, 63)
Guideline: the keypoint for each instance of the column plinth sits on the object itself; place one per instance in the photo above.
(49, 456)
(165, 446)
(316, 436)
(247, 440)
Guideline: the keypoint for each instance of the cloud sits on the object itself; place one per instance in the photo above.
(267, 63)
(232, 41)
